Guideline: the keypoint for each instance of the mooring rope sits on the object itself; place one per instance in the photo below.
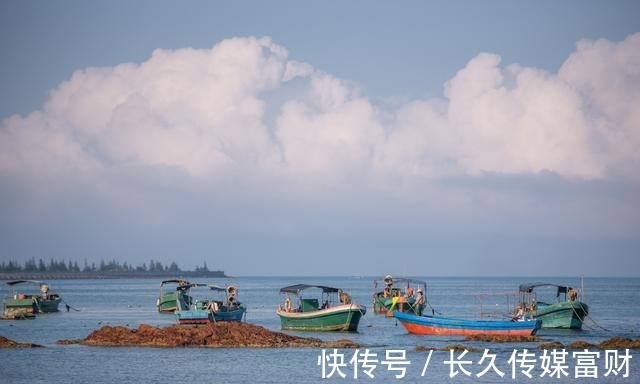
(433, 311)
(69, 306)
(593, 321)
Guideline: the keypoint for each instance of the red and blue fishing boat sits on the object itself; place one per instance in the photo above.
(446, 326)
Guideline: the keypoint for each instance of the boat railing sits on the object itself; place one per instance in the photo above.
(493, 305)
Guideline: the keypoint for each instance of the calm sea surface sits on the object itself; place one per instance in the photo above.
(614, 305)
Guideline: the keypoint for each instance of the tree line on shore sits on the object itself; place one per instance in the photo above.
(53, 265)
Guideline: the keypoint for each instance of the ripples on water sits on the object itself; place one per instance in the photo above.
(614, 305)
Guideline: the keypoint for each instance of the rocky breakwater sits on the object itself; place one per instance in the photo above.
(216, 335)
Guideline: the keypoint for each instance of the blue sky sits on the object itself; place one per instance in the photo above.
(424, 138)
(405, 50)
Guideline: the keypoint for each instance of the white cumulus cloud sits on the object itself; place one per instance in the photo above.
(204, 112)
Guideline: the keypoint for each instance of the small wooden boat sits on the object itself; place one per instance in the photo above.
(212, 310)
(434, 325)
(25, 305)
(171, 292)
(565, 312)
(333, 312)
(399, 294)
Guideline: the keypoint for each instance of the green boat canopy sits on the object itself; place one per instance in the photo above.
(295, 289)
(530, 287)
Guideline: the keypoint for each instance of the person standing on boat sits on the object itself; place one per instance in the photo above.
(287, 304)
(573, 294)
(409, 293)
(519, 313)
(420, 302)
(44, 290)
(345, 298)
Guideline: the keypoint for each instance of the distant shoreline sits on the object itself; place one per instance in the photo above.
(108, 275)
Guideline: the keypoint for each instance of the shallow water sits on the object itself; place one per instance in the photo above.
(614, 306)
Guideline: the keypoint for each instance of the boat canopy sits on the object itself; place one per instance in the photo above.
(191, 285)
(177, 281)
(295, 289)
(403, 280)
(183, 284)
(24, 281)
(217, 288)
(530, 287)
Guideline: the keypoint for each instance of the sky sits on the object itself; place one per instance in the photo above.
(422, 138)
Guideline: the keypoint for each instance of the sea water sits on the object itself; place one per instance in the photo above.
(614, 311)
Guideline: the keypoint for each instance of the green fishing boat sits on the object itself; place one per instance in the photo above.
(302, 310)
(398, 294)
(172, 291)
(25, 305)
(212, 309)
(563, 311)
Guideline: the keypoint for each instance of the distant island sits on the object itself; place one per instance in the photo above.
(56, 269)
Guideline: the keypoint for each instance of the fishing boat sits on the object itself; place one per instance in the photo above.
(211, 310)
(563, 311)
(436, 325)
(330, 309)
(25, 305)
(171, 292)
(399, 294)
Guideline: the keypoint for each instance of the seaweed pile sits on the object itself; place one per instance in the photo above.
(216, 335)
(8, 343)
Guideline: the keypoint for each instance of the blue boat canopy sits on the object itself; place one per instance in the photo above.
(295, 289)
(530, 287)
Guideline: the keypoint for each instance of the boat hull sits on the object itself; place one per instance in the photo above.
(566, 315)
(342, 318)
(49, 305)
(431, 325)
(32, 304)
(230, 315)
(194, 317)
(384, 305)
(203, 316)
